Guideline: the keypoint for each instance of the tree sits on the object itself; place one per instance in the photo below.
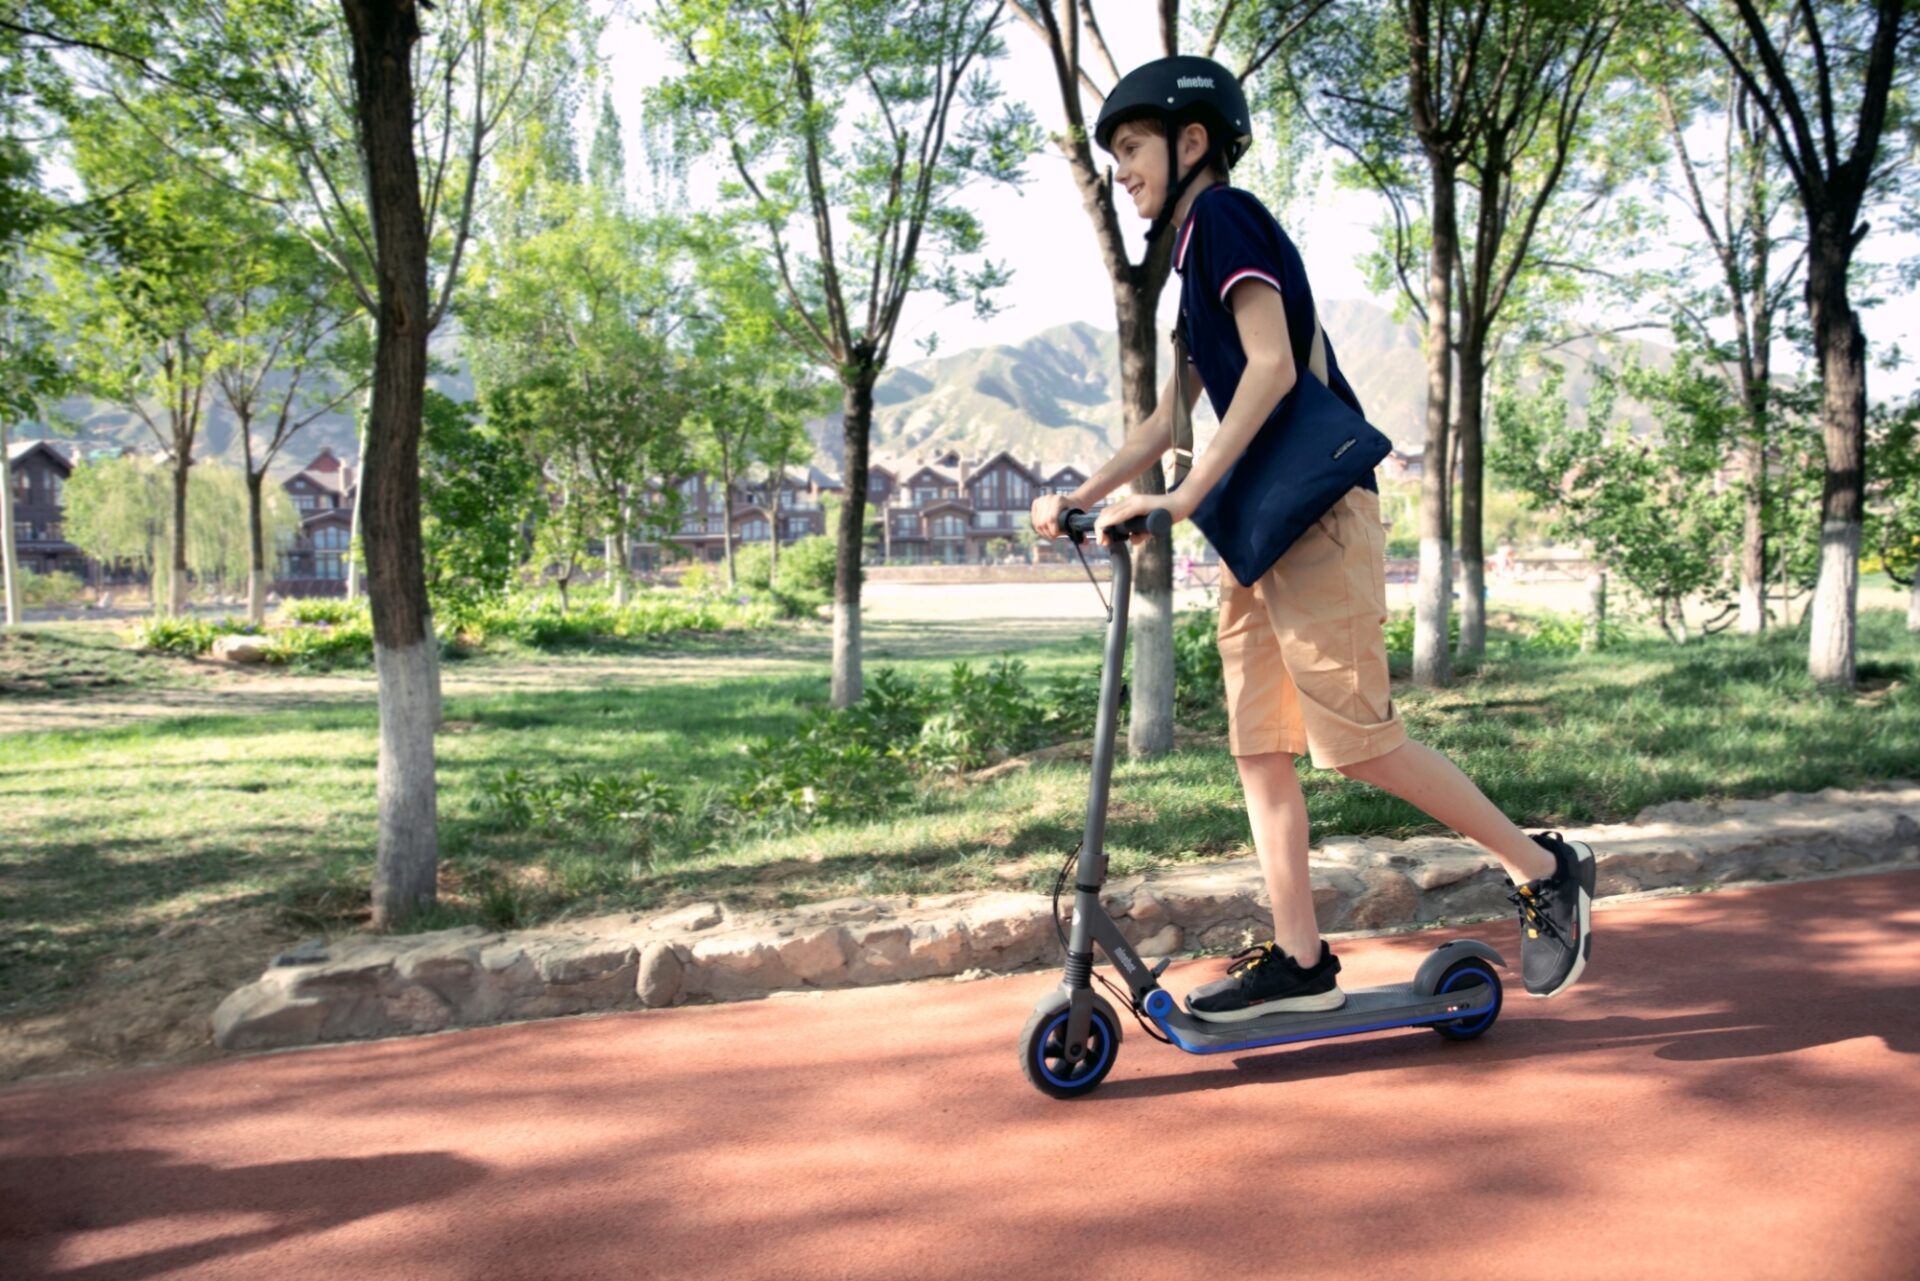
(118, 512)
(478, 490)
(1829, 80)
(30, 375)
(137, 298)
(851, 126)
(1651, 508)
(1470, 119)
(1754, 278)
(1072, 34)
(279, 330)
(1893, 521)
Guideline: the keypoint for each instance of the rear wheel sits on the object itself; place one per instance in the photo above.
(1043, 1049)
(1465, 975)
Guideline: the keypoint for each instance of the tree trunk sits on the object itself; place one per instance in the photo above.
(1433, 593)
(1150, 717)
(257, 539)
(857, 402)
(384, 33)
(726, 518)
(1470, 420)
(1842, 351)
(1913, 604)
(9, 553)
(617, 564)
(177, 575)
(359, 490)
(1594, 635)
(1753, 538)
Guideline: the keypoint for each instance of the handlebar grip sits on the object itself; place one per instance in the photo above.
(1079, 524)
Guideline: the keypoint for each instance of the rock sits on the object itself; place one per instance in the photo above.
(265, 1015)
(731, 965)
(1449, 870)
(691, 919)
(938, 947)
(818, 958)
(584, 960)
(1147, 911)
(240, 649)
(311, 952)
(1009, 930)
(1229, 936)
(1163, 943)
(877, 953)
(660, 974)
(1390, 899)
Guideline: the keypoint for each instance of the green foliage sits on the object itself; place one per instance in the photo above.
(348, 643)
(1563, 634)
(1653, 508)
(634, 809)
(1398, 630)
(44, 590)
(325, 610)
(186, 637)
(806, 567)
(476, 491)
(539, 623)
(1893, 512)
(1198, 680)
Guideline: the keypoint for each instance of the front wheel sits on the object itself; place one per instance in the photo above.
(1466, 974)
(1043, 1049)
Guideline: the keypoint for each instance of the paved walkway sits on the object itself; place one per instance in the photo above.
(1732, 1092)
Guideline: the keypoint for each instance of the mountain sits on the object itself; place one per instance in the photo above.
(1056, 396)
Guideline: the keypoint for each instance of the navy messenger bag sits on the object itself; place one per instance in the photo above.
(1311, 450)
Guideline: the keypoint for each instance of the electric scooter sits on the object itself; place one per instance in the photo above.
(1073, 1036)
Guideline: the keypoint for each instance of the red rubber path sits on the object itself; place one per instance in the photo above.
(1732, 1091)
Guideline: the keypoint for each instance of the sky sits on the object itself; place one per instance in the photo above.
(1041, 231)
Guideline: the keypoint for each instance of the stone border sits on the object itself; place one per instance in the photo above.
(384, 985)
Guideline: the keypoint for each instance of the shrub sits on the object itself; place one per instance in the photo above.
(753, 567)
(348, 644)
(1197, 678)
(697, 578)
(1562, 634)
(806, 567)
(637, 810)
(183, 637)
(37, 591)
(324, 610)
(1399, 631)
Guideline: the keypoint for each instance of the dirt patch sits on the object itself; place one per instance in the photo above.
(153, 1003)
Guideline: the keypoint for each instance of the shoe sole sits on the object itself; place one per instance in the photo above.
(1317, 1003)
(1583, 879)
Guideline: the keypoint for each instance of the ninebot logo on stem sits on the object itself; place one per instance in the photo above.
(1194, 82)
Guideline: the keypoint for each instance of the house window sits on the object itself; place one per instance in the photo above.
(1017, 491)
(331, 539)
(924, 495)
(754, 530)
(304, 502)
(905, 526)
(22, 530)
(798, 527)
(949, 526)
(786, 500)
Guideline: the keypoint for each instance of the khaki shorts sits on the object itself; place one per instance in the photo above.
(1302, 650)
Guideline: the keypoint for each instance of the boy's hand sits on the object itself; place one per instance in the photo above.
(1048, 511)
(1139, 505)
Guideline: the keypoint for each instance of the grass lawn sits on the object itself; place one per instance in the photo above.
(110, 836)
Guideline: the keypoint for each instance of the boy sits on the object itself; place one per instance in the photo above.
(1302, 650)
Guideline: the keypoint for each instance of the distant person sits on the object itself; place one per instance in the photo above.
(1304, 658)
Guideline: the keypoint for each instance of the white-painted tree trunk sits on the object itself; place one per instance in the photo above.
(409, 840)
(177, 598)
(1433, 596)
(256, 595)
(1830, 641)
(1913, 605)
(9, 553)
(359, 488)
(1150, 714)
(847, 683)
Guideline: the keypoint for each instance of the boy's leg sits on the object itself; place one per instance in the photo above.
(1430, 782)
(1277, 810)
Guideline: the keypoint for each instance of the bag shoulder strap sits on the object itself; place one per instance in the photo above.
(1181, 423)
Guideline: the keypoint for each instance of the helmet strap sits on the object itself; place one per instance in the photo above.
(1180, 182)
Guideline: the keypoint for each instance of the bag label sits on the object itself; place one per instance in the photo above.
(1345, 445)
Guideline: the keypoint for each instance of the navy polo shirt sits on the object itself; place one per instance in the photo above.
(1229, 237)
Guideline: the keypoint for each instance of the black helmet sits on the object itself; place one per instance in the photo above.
(1178, 90)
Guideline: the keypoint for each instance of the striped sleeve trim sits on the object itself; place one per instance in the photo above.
(1247, 273)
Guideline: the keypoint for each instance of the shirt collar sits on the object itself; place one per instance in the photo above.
(1186, 230)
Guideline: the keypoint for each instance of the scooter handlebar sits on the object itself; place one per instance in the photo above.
(1079, 524)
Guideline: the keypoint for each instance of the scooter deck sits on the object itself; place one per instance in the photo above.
(1373, 1009)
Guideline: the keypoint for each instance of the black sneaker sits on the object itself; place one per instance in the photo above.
(1264, 980)
(1556, 914)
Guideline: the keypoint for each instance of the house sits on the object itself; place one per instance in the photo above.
(38, 470)
(314, 561)
(790, 504)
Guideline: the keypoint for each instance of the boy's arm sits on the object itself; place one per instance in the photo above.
(1261, 319)
(1145, 443)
